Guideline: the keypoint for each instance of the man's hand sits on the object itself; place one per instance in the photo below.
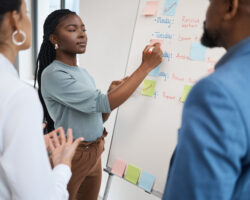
(62, 148)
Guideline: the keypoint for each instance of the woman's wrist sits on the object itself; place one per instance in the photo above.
(144, 69)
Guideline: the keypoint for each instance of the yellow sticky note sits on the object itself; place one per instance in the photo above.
(148, 88)
(132, 174)
(151, 8)
(185, 92)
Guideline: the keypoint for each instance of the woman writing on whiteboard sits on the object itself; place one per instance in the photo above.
(69, 93)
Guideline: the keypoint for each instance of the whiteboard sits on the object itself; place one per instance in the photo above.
(145, 132)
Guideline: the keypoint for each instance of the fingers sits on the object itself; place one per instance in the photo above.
(116, 83)
(46, 140)
(145, 51)
(157, 48)
(44, 125)
(157, 45)
(54, 139)
(70, 136)
(77, 142)
(62, 138)
(51, 146)
(59, 130)
(70, 139)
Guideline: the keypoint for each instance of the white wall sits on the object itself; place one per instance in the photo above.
(25, 58)
(109, 27)
(42, 12)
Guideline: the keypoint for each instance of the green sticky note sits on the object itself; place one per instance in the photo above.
(148, 88)
(186, 90)
(132, 174)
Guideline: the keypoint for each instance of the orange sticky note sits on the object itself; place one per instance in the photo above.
(151, 8)
(119, 167)
(153, 41)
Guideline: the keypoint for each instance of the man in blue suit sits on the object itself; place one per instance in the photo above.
(212, 157)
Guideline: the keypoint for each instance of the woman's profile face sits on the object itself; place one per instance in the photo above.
(16, 21)
(71, 35)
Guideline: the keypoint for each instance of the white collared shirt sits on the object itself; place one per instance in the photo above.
(25, 171)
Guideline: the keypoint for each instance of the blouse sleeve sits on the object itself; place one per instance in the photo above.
(65, 89)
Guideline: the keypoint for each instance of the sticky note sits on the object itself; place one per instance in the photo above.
(146, 181)
(163, 74)
(132, 174)
(151, 8)
(185, 92)
(170, 7)
(155, 71)
(198, 52)
(119, 167)
(148, 88)
(153, 41)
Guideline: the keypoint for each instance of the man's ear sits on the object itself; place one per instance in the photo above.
(53, 39)
(232, 8)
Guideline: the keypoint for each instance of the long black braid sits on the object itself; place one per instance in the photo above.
(47, 55)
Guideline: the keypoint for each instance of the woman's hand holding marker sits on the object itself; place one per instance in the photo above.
(152, 57)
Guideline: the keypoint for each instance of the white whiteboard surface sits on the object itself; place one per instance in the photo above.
(145, 132)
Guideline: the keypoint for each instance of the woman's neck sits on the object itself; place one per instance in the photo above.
(9, 52)
(68, 59)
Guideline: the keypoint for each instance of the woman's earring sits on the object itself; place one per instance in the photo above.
(56, 46)
(14, 39)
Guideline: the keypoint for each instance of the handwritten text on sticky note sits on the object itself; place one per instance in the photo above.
(148, 88)
(170, 7)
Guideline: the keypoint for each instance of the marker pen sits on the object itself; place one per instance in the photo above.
(150, 50)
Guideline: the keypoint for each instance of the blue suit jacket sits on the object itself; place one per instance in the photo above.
(212, 157)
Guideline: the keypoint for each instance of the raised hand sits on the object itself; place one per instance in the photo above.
(152, 59)
(62, 149)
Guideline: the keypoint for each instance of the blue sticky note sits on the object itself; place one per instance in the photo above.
(170, 7)
(146, 181)
(155, 71)
(198, 52)
(163, 74)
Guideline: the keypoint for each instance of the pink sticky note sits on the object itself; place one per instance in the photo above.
(119, 167)
(153, 41)
(151, 8)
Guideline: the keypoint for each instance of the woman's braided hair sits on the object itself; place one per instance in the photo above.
(47, 55)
